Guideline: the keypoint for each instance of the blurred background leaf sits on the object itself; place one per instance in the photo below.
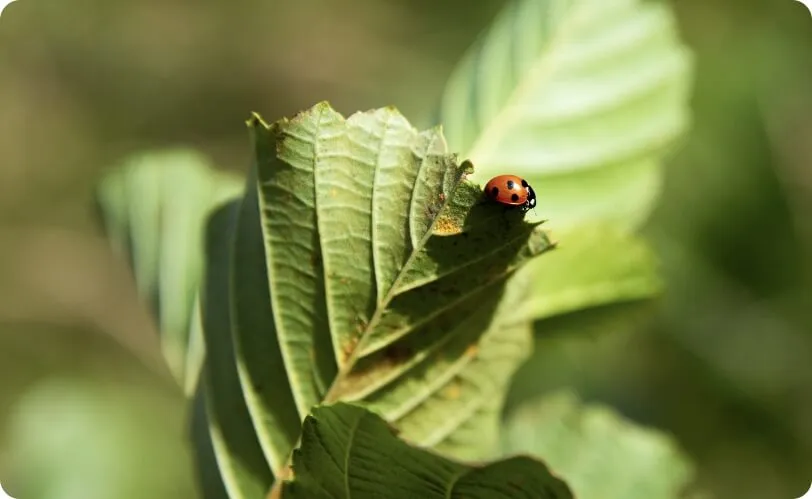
(155, 208)
(580, 98)
(65, 430)
(583, 99)
(597, 452)
(87, 420)
(592, 267)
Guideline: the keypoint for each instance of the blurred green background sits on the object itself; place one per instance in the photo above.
(723, 360)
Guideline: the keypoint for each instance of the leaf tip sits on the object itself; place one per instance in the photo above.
(436, 130)
(467, 167)
(551, 244)
(392, 109)
(323, 105)
(255, 120)
(320, 108)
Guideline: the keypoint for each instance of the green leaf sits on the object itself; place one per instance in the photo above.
(79, 435)
(348, 452)
(386, 272)
(586, 349)
(599, 281)
(593, 266)
(581, 97)
(259, 361)
(599, 453)
(243, 468)
(154, 208)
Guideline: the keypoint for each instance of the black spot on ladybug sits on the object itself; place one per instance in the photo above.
(524, 183)
(510, 185)
(495, 191)
(514, 197)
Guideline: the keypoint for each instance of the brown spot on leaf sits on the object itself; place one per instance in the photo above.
(348, 348)
(452, 390)
(447, 226)
(370, 369)
(397, 354)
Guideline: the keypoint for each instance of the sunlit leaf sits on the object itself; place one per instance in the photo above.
(581, 97)
(349, 452)
(76, 437)
(386, 270)
(600, 454)
(593, 266)
(586, 348)
(265, 382)
(154, 208)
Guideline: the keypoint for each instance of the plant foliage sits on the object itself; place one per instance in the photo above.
(580, 442)
(362, 282)
(349, 452)
(385, 270)
(581, 97)
(154, 208)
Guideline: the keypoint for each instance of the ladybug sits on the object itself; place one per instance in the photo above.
(511, 190)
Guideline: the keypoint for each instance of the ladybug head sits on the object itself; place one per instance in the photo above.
(531, 198)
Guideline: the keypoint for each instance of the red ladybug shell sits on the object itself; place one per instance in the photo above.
(511, 190)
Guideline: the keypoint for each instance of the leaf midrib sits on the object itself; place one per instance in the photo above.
(424, 355)
(373, 212)
(412, 202)
(302, 406)
(350, 440)
(332, 393)
(401, 332)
